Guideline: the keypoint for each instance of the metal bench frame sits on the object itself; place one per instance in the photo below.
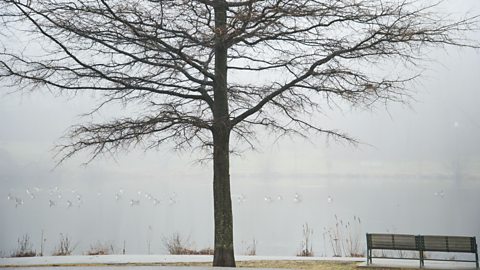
(439, 243)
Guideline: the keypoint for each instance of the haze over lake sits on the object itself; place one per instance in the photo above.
(416, 170)
(270, 212)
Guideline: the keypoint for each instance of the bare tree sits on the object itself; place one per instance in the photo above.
(189, 66)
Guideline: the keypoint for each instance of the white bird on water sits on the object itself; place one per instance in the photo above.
(134, 203)
(30, 194)
(329, 199)
(297, 198)
(18, 201)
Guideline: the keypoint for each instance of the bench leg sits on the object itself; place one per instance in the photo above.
(476, 258)
(422, 263)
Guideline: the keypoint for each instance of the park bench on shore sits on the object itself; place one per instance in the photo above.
(421, 243)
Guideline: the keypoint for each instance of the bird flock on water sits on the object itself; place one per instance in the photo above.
(69, 198)
(55, 197)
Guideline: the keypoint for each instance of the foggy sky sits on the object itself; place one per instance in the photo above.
(436, 136)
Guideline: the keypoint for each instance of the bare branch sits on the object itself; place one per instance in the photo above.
(287, 60)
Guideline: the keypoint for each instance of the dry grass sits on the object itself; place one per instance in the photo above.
(24, 248)
(177, 245)
(302, 265)
(65, 247)
(305, 265)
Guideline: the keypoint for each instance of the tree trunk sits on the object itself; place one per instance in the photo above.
(224, 255)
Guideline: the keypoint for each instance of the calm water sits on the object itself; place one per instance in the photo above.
(269, 213)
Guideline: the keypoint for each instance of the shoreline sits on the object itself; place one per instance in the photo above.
(147, 260)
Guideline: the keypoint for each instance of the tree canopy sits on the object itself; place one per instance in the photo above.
(205, 70)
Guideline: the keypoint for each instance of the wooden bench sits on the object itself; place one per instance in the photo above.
(421, 243)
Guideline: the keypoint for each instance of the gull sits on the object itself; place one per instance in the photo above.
(32, 196)
(18, 201)
(329, 199)
(297, 198)
(242, 198)
(441, 194)
(134, 203)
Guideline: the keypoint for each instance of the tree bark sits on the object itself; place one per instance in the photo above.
(224, 254)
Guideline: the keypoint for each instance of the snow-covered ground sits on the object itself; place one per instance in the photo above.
(142, 259)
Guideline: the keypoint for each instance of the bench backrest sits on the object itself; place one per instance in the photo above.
(421, 242)
(449, 243)
(392, 241)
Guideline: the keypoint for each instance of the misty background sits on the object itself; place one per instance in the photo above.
(416, 170)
